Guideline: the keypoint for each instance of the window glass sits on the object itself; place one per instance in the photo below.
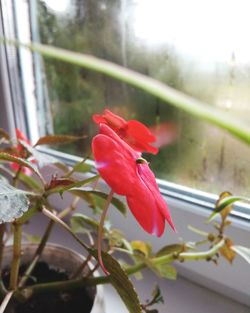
(198, 47)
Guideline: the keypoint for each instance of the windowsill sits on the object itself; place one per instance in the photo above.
(232, 281)
(181, 295)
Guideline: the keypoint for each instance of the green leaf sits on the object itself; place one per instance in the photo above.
(62, 189)
(156, 297)
(8, 157)
(170, 96)
(82, 167)
(121, 282)
(170, 249)
(13, 203)
(224, 203)
(29, 181)
(79, 222)
(116, 202)
(142, 247)
(243, 252)
(163, 270)
(27, 215)
(57, 139)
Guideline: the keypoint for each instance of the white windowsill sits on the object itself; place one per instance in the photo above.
(230, 280)
(180, 296)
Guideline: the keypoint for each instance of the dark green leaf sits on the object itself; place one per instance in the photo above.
(116, 202)
(121, 283)
(13, 203)
(156, 294)
(243, 252)
(57, 139)
(8, 157)
(156, 297)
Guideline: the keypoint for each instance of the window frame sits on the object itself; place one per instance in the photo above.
(190, 205)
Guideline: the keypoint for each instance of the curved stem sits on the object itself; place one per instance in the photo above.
(65, 226)
(100, 231)
(6, 300)
(44, 240)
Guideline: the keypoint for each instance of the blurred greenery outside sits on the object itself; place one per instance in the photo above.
(201, 156)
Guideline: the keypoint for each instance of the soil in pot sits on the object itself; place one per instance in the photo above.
(77, 301)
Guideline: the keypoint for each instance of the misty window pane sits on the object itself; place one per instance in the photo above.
(201, 48)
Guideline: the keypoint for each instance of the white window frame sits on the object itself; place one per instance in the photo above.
(188, 206)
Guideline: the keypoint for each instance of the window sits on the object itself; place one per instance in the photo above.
(169, 41)
(185, 52)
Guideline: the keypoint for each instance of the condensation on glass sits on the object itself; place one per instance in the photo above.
(198, 47)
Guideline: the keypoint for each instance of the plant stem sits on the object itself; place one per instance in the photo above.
(100, 231)
(78, 283)
(81, 267)
(73, 168)
(16, 255)
(37, 254)
(69, 209)
(15, 178)
(43, 242)
(65, 226)
(6, 301)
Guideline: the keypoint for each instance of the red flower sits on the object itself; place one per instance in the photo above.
(128, 174)
(136, 134)
(20, 151)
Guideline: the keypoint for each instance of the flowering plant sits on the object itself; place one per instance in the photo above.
(117, 151)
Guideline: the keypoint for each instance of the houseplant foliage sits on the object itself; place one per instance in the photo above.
(24, 193)
(116, 148)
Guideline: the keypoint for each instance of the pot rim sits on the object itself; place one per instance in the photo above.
(98, 295)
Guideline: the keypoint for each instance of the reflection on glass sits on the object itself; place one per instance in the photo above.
(198, 47)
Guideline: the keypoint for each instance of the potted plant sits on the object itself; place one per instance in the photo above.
(117, 150)
(47, 277)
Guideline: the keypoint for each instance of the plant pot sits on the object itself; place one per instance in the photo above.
(62, 259)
